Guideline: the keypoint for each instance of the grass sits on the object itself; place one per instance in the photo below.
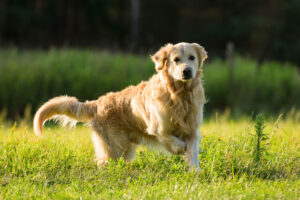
(60, 165)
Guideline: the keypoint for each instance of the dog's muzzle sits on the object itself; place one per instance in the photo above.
(187, 73)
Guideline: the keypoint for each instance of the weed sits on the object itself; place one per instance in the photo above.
(260, 139)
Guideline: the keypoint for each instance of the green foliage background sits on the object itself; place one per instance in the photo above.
(264, 29)
(29, 78)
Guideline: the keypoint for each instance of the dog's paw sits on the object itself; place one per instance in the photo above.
(178, 146)
(194, 168)
(101, 163)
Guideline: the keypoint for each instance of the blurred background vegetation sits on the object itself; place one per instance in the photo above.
(87, 48)
(266, 29)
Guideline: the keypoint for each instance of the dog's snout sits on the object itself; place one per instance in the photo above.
(187, 72)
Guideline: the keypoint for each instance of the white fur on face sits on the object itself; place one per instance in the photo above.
(183, 55)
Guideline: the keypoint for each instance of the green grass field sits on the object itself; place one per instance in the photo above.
(60, 165)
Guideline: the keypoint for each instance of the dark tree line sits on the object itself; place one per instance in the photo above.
(264, 29)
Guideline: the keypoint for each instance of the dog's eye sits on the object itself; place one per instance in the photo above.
(192, 57)
(176, 59)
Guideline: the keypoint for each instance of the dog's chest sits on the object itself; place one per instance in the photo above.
(184, 118)
(178, 117)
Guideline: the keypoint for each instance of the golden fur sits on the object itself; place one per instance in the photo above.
(166, 109)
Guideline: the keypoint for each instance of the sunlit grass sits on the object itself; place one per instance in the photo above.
(60, 165)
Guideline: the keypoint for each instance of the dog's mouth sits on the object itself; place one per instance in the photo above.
(186, 78)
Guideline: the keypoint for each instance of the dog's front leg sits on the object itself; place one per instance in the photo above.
(173, 144)
(192, 151)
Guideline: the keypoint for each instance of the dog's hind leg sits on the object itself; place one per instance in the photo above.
(129, 152)
(111, 145)
(102, 153)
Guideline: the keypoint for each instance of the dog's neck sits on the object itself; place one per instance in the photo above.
(181, 104)
(175, 87)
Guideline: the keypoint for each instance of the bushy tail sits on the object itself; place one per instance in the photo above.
(64, 109)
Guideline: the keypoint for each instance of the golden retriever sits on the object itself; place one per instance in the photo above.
(167, 109)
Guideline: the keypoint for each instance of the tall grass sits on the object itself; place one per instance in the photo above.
(28, 78)
(61, 166)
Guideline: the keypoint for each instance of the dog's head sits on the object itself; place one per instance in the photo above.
(182, 61)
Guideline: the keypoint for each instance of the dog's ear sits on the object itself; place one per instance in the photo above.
(202, 54)
(161, 57)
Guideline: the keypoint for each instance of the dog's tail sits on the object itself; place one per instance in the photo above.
(67, 110)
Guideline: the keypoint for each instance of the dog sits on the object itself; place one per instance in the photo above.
(167, 109)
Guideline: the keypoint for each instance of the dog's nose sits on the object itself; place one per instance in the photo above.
(187, 73)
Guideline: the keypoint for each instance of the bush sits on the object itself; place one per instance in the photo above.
(29, 78)
(270, 88)
(32, 77)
